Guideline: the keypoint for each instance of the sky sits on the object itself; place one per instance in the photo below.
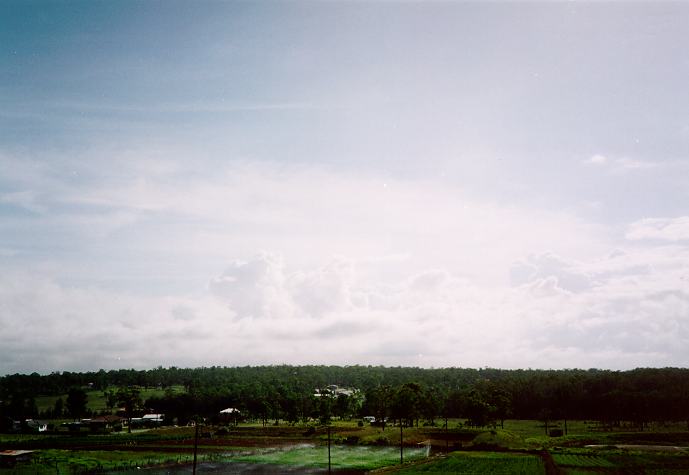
(428, 184)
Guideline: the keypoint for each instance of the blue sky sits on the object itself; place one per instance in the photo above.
(426, 183)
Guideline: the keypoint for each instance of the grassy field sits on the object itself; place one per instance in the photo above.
(96, 398)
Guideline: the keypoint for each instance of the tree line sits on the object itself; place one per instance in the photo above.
(406, 394)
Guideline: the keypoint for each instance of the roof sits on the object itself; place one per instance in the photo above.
(106, 418)
(230, 410)
(15, 453)
(153, 416)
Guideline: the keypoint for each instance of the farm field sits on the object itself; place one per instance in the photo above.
(53, 461)
(342, 457)
(488, 463)
(612, 460)
(518, 448)
(300, 458)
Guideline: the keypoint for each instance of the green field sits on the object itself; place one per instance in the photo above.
(611, 460)
(487, 463)
(96, 398)
(80, 461)
(519, 448)
(356, 458)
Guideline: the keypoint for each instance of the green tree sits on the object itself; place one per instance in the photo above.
(58, 409)
(477, 408)
(406, 403)
(379, 401)
(110, 399)
(130, 399)
(76, 402)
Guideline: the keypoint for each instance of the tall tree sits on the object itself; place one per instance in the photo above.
(130, 398)
(76, 402)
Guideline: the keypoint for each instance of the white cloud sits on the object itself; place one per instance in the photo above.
(305, 213)
(255, 288)
(567, 275)
(622, 164)
(258, 312)
(667, 229)
(26, 199)
(432, 276)
(631, 164)
(597, 160)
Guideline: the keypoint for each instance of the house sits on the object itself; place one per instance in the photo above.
(105, 424)
(9, 458)
(153, 420)
(33, 426)
(231, 414)
(333, 390)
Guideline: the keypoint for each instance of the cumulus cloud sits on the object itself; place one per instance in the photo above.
(255, 288)
(566, 275)
(431, 276)
(610, 312)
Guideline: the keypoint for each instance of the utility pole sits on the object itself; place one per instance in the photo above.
(447, 438)
(401, 444)
(196, 444)
(329, 467)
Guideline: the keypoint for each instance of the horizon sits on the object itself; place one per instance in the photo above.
(442, 184)
(200, 368)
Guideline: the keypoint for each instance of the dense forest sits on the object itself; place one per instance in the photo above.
(411, 395)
